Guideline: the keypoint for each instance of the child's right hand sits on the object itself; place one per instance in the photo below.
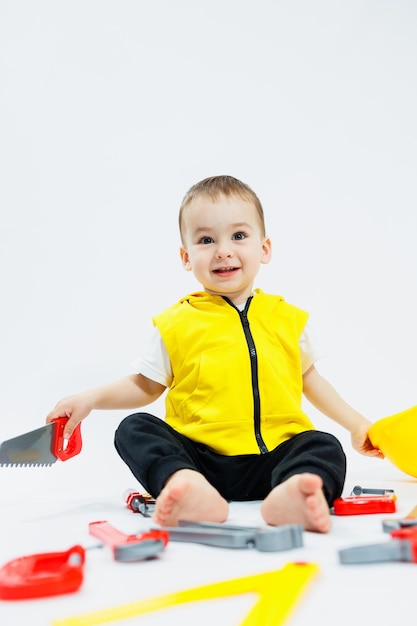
(75, 408)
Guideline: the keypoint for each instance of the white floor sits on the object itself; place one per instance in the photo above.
(49, 509)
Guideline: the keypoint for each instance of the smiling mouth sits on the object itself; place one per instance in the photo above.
(225, 270)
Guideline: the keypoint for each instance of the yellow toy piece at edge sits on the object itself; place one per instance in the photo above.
(278, 591)
(396, 437)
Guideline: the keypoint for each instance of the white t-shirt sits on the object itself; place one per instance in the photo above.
(154, 362)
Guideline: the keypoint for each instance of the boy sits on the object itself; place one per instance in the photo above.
(236, 363)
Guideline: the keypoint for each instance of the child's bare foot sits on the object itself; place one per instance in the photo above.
(298, 500)
(188, 496)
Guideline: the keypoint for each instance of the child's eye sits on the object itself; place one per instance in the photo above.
(239, 236)
(206, 240)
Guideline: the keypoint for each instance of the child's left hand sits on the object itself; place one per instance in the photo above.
(361, 442)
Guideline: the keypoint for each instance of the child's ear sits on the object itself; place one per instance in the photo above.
(266, 250)
(185, 259)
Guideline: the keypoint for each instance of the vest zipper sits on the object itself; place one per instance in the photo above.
(254, 371)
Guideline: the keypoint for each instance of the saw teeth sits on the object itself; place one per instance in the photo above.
(26, 464)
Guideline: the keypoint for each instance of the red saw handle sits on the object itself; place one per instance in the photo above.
(65, 449)
(40, 575)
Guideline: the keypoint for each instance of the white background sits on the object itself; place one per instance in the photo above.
(111, 110)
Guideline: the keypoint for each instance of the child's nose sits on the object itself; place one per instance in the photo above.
(223, 251)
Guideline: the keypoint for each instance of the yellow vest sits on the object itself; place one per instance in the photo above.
(237, 393)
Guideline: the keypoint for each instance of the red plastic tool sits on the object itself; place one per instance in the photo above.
(137, 502)
(65, 449)
(361, 505)
(44, 574)
(56, 573)
(126, 547)
(43, 446)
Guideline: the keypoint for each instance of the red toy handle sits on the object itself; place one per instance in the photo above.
(128, 548)
(41, 575)
(65, 449)
(113, 537)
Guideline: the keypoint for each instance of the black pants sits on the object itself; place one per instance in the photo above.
(154, 451)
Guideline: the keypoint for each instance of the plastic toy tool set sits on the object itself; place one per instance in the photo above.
(55, 573)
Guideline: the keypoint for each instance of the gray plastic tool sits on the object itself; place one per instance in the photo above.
(274, 539)
(395, 550)
(393, 524)
(359, 491)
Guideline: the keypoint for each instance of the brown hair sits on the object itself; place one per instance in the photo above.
(213, 187)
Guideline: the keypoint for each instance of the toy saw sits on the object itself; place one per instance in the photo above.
(41, 447)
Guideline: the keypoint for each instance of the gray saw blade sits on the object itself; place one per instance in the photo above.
(30, 449)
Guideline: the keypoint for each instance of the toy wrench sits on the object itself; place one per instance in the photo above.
(224, 536)
(402, 547)
(128, 548)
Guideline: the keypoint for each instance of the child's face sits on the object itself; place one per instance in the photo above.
(224, 245)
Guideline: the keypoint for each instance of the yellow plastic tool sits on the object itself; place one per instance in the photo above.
(396, 437)
(278, 592)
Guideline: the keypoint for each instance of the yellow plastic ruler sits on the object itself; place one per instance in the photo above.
(278, 591)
